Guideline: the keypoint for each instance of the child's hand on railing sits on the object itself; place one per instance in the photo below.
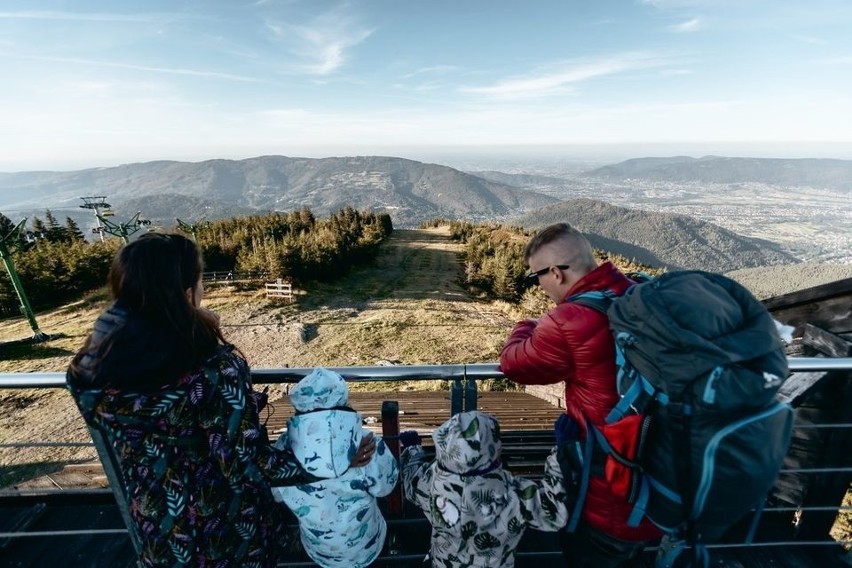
(409, 438)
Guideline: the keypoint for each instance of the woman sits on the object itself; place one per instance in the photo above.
(175, 402)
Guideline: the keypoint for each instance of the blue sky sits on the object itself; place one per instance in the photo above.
(93, 83)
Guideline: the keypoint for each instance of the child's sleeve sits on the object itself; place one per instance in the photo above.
(382, 471)
(416, 476)
(543, 502)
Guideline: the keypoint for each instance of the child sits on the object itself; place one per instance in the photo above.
(339, 520)
(478, 511)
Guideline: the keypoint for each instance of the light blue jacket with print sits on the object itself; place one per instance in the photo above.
(339, 519)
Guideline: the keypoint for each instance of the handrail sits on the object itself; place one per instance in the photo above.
(456, 373)
(396, 372)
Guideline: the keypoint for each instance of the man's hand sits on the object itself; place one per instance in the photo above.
(365, 451)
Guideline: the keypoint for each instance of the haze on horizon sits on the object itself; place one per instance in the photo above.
(95, 84)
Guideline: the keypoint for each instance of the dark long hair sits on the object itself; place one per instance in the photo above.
(160, 330)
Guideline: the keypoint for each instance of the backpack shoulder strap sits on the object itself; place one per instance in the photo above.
(599, 300)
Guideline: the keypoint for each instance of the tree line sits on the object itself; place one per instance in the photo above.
(56, 264)
(494, 261)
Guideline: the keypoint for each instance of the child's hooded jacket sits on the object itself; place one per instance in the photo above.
(339, 519)
(478, 511)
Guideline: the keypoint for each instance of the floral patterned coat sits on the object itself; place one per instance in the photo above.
(478, 511)
(197, 465)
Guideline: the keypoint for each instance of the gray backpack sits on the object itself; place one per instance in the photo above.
(699, 435)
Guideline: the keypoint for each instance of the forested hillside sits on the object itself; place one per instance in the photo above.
(659, 239)
(56, 264)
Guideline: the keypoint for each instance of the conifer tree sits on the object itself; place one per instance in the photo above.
(55, 233)
(6, 225)
(72, 230)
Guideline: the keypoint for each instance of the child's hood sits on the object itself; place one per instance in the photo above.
(325, 435)
(468, 442)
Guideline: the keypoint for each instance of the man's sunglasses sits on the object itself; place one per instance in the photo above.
(532, 278)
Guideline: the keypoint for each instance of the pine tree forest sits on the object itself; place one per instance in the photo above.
(56, 264)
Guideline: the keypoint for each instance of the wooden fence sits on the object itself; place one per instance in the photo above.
(280, 289)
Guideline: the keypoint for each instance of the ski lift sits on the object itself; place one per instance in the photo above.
(107, 213)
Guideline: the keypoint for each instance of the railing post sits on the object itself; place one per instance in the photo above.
(470, 394)
(456, 401)
(390, 433)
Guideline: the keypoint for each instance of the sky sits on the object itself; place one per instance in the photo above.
(88, 83)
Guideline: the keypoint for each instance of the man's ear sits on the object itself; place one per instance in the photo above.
(190, 295)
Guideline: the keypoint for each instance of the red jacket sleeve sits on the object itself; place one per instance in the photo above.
(536, 353)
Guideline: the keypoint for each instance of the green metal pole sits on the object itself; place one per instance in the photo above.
(38, 334)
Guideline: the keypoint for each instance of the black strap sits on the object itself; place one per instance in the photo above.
(343, 408)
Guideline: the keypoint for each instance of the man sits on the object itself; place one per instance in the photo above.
(572, 344)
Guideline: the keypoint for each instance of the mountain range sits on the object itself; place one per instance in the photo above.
(806, 172)
(409, 191)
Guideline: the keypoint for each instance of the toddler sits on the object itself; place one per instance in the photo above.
(478, 510)
(340, 523)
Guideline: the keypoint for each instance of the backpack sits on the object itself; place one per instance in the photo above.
(698, 437)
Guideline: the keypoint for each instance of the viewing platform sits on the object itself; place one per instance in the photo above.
(72, 517)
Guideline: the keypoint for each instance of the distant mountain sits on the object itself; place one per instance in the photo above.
(659, 239)
(520, 180)
(410, 191)
(560, 188)
(822, 173)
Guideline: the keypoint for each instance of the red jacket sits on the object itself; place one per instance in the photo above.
(572, 343)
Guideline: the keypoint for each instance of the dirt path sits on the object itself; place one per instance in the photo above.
(406, 307)
(402, 308)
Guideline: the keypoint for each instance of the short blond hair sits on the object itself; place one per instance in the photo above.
(576, 248)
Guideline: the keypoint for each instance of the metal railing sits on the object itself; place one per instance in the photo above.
(463, 396)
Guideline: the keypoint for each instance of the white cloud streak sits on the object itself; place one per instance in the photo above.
(322, 44)
(433, 70)
(88, 17)
(563, 78)
(688, 26)
(153, 69)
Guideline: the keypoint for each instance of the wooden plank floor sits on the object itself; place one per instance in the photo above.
(419, 410)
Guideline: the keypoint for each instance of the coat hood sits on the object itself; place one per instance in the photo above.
(467, 443)
(324, 435)
(321, 389)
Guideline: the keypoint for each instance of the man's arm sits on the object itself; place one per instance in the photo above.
(536, 353)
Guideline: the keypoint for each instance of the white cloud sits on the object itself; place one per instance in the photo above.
(840, 60)
(562, 78)
(433, 70)
(688, 26)
(121, 65)
(89, 17)
(322, 44)
(813, 40)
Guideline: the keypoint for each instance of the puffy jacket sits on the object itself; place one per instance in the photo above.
(193, 457)
(478, 511)
(572, 343)
(340, 522)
